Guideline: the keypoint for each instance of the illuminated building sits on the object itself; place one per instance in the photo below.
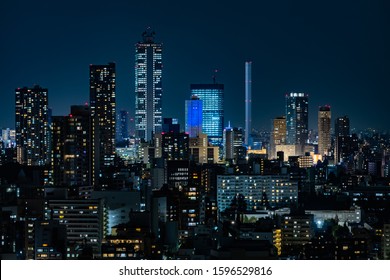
(148, 87)
(212, 96)
(305, 161)
(193, 116)
(386, 241)
(248, 101)
(353, 215)
(341, 126)
(8, 137)
(122, 129)
(297, 230)
(324, 125)
(341, 131)
(297, 118)
(278, 134)
(50, 240)
(32, 126)
(201, 151)
(72, 135)
(175, 146)
(233, 144)
(278, 189)
(277, 240)
(85, 222)
(103, 112)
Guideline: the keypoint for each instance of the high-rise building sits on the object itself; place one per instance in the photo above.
(103, 112)
(148, 87)
(278, 134)
(297, 118)
(213, 112)
(72, 149)
(122, 129)
(341, 127)
(324, 134)
(32, 126)
(193, 116)
(233, 143)
(248, 101)
(342, 137)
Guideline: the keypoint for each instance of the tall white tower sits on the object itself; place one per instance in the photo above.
(248, 101)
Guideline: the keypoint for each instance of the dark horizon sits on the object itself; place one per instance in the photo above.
(335, 52)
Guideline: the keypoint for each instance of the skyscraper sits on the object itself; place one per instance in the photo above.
(297, 118)
(72, 152)
(341, 127)
(122, 129)
(193, 116)
(278, 134)
(103, 113)
(248, 101)
(32, 125)
(233, 143)
(213, 112)
(343, 140)
(324, 125)
(148, 87)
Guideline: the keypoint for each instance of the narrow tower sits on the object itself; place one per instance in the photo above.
(248, 101)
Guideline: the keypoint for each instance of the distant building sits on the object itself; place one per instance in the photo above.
(297, 118)
(102, 91)
(201, 151)
(148, 87)
(212, 96)
(324, 133)
(72, 148)
(275, 190)
(248, 102)
(32, 126)
(122, 128)
(193, 116)
(305, 161)
(278, 134)
(342, 135)
(233, 140)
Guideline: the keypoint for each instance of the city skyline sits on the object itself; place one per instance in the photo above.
(336, 54)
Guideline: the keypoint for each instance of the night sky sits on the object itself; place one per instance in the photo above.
(336, 51)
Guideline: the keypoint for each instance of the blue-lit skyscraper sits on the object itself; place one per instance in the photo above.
(193, 116)
(297, 118)
(148, 87)
(213, 114)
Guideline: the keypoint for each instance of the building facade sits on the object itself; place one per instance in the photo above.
(148, 87)
(32, 126)
(278, 134)
(102, 82)
(193, 116)
(324, 130)
(278, 190)
(297, 118)
(212, 96)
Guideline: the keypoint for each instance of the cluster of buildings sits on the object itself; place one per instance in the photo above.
(99, 184)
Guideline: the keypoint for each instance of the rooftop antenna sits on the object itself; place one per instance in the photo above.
(215, 76)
